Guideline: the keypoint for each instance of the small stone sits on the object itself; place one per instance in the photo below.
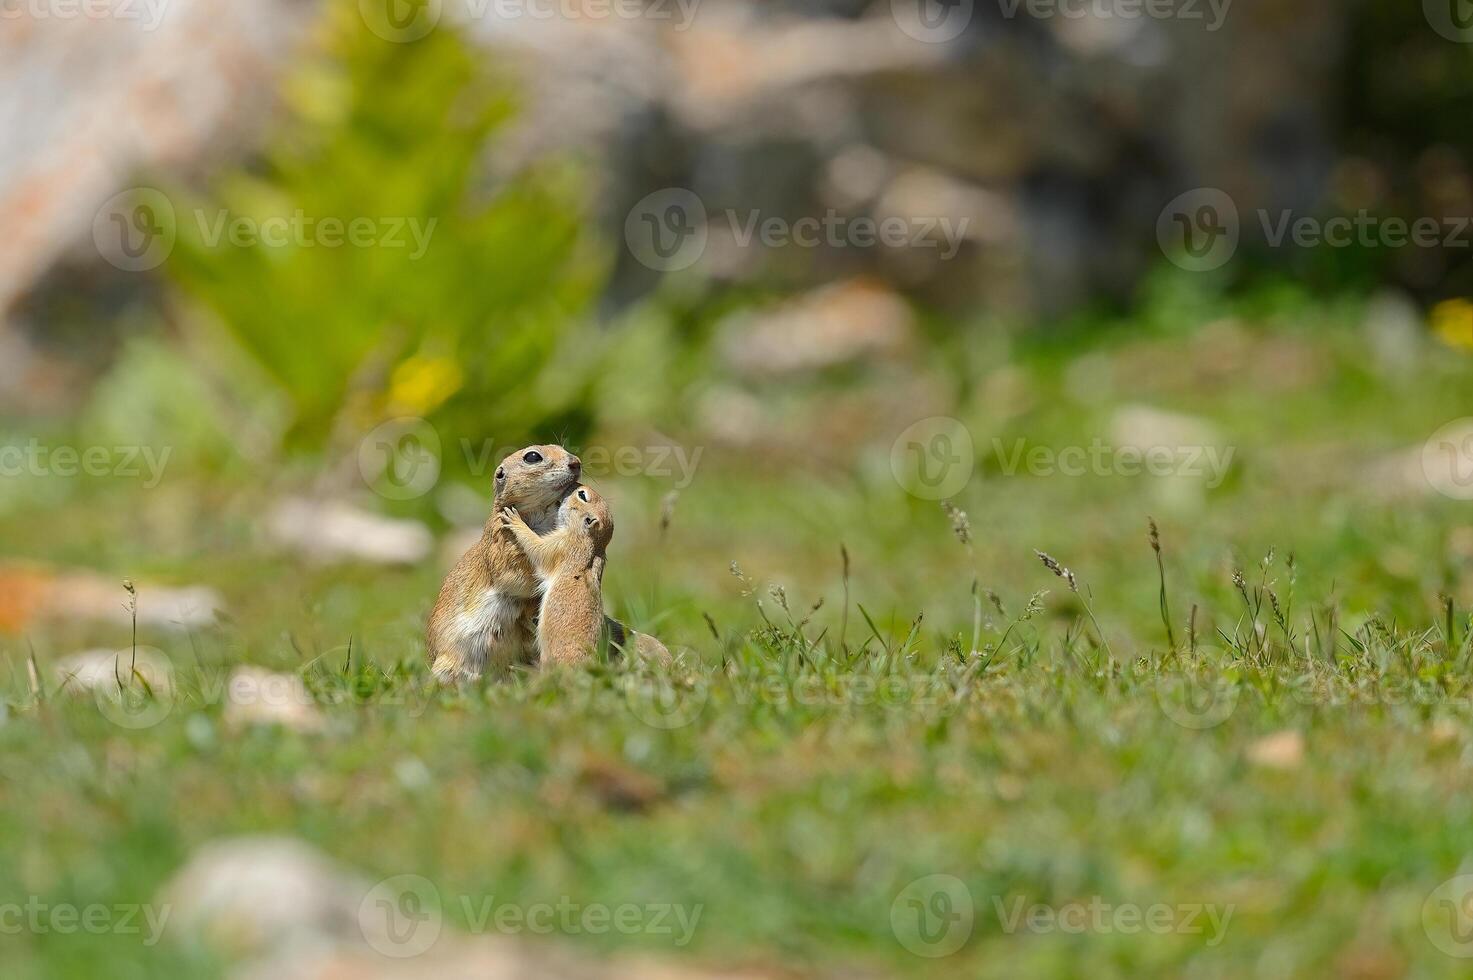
(1282, 750)
(261, 697)
(93, 670)
(332, 531)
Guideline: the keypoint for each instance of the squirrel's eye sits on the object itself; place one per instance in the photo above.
(532, 457)
(583, 495)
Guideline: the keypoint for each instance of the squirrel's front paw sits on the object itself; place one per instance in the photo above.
(508, 518)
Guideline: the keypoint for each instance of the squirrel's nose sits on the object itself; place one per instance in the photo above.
(575, 465)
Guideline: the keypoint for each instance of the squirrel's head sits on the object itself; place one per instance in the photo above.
(585, 511)
(536, 477)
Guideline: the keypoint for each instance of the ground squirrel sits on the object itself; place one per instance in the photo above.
(570, 564)
(484, 616)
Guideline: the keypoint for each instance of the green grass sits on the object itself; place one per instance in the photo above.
(820, 761)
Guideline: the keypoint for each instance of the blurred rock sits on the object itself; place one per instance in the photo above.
(87, 103)
(278, 909)
(1283, 750)
(96, 670)
(486, 958)
(255, 696)
(735, 62)
(30, 593)
(730, 415)
(1395, 335)
(331, 531)
(828, 327)
(1145, 428)
(251, 896)
(457, 542)
(1060, 137)
(1445, 731)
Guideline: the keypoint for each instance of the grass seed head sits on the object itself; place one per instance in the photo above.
(961, 524)
(1052, 565)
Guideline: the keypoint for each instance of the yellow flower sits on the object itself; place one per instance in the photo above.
(1452, 321)
(422, 384)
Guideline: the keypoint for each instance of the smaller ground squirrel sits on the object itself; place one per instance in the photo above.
(570, 566)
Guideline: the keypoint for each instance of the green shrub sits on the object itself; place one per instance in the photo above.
(456, 311)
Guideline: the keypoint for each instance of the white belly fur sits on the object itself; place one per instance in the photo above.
(480, 628)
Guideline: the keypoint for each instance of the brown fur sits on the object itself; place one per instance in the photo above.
(570, 564)
(484, 615)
